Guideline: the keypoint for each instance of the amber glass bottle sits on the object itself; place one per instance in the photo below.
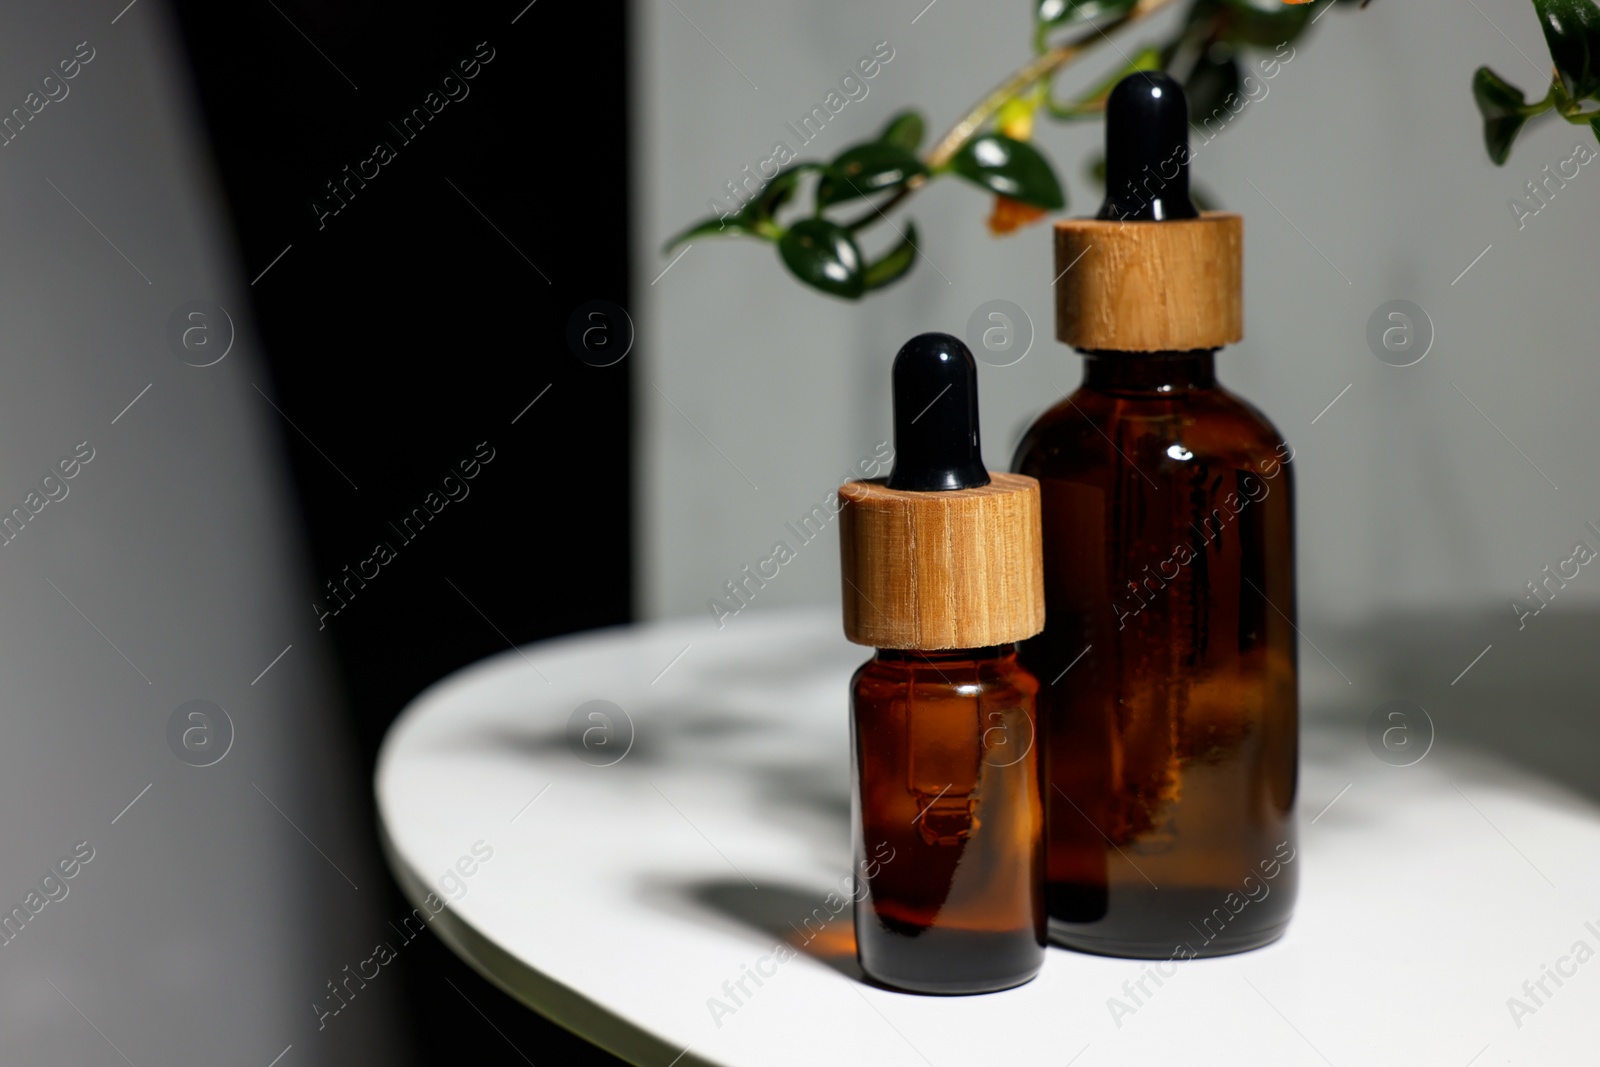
(950, 820)
(1169, 706)
(1168, 661)
(943, 575)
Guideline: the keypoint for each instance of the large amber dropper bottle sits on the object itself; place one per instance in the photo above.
(941, 568)
(1167, 666)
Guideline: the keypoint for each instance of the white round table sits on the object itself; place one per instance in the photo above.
(628, 884)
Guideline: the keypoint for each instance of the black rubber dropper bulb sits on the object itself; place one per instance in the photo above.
(935, 383)
(1147, 150)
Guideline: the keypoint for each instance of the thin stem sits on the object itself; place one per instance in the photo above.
(1039, 67)
(1578, 112)
(1092, 104)
(1538, 107)
(1073, 112)
(900, 194)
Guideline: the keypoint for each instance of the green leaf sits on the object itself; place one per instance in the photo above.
(1067, 12)
(895, 263)
(1572, 30)
(1505, 111)
(716, 227)
(1011, 168)
(775, 194)
(1215, 77)
(904, 130)
(1594, 124)
(1265, 23)
(824, 256)
(756, 217)
(865, 169)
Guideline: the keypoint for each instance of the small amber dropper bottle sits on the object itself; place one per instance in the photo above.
(1171, 710)
(942, 575)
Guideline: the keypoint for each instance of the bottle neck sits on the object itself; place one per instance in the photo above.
(945, 656)
(1155, 373)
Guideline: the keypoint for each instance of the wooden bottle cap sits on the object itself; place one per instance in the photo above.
(1170, 286)
(956, 569)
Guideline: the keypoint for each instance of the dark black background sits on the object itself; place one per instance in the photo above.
(407, 330)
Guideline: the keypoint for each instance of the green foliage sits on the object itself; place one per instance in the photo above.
(867, 168)
(1014, 169)
(1208, 49)
(1572, 30)
(756, 218)
(1505, 111)
(817, 250)
(904, 131)
(1264, 23)
(1058, 13)
(824, 255)
(1214, 77)
(1093, 101)
(1572, 33)
(896, 262)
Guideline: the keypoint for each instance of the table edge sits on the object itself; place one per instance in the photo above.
(560, 1004)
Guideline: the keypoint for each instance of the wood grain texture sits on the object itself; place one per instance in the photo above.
(960, 569)
(1150, 286)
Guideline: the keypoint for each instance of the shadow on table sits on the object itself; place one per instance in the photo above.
(802, 790)
(1529, 697)
(1529, 702)
(789, 915)
(670, 725)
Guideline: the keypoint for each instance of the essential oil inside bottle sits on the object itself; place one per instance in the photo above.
(1170, 699)
(946, 781)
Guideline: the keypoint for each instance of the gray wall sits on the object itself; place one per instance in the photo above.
(205, 924)
(1367, 143)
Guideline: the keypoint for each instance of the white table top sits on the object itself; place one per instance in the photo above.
(620, 901)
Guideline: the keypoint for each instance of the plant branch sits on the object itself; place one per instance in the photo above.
(1074, 112)
(1041, 66)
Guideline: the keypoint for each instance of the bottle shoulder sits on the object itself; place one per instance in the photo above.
(989, 678)
(1091, 427)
